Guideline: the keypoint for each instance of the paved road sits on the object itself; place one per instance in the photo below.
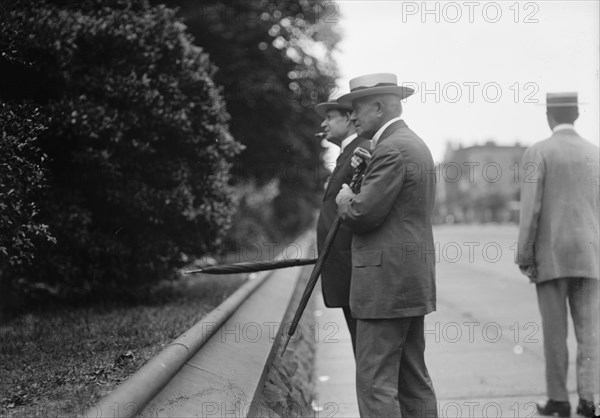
(484, 342)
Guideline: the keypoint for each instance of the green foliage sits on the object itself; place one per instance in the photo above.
(275, 63)
(137, 138)
(253, 216)
(22, 177)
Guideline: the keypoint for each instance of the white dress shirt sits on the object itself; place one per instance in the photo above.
(563, 127)
(346, 141)
(380, 131)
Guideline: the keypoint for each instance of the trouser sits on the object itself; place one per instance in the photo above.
(351, 322)
(582, 295)
(391, 375)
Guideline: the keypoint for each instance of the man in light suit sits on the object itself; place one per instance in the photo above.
(558, 251)
(393, 271)
(335, 277)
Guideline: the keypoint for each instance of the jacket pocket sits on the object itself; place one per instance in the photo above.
(366, 258)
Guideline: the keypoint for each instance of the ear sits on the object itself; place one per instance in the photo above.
(378, 108)
(348, 118)
(550, 118)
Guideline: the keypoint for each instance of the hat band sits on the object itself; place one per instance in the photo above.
(562, 104)
(376, 85)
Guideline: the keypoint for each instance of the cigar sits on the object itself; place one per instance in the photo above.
(321, 135)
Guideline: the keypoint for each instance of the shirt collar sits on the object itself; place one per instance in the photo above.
(380, 131)
(346, 141)
(563, 127)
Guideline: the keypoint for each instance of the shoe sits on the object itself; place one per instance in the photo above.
(560, 408)
(586, 408)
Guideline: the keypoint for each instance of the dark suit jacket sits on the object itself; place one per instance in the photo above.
(335, 277)
(393, 254)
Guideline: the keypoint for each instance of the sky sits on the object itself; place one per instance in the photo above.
(481, 68)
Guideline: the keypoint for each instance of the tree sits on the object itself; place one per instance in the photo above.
(137, 139)
(275, 63)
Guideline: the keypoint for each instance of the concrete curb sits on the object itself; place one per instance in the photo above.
(133, 395)
(289, 384)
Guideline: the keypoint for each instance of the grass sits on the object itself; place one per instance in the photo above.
(57, 362)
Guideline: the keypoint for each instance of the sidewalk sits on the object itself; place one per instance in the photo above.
(334, 368)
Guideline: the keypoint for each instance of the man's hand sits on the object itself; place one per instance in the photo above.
(360, 155)
(529, 270)
(344, 194)
(526, 260)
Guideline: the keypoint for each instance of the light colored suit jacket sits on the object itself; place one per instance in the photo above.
(560, 187)
(393, 255)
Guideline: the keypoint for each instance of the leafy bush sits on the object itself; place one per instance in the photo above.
(137, 139)
(22, 178)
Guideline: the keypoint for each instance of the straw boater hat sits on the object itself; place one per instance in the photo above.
(562, 99)
(323, 108)
(370, 84)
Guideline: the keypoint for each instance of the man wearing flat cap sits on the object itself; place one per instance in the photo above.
(558, 251)
(335, 277)
(393, 270)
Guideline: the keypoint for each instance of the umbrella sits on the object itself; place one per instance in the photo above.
(249, 267)
(327, 244)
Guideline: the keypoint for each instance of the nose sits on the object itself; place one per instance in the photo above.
(324, 123)
(353, 116)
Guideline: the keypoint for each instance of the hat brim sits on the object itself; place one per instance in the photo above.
(323, 108)
(401, 91)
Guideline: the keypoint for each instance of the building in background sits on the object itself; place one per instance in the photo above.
(480, 183)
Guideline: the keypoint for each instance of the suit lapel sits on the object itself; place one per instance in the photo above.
(339, 163)
(391, 129)
(346, 154)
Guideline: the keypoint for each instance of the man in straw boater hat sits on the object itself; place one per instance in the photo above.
(335, 277)
(558, 251)
(393, 271)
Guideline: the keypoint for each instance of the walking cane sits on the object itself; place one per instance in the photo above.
(327, 244)
(249, 267)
